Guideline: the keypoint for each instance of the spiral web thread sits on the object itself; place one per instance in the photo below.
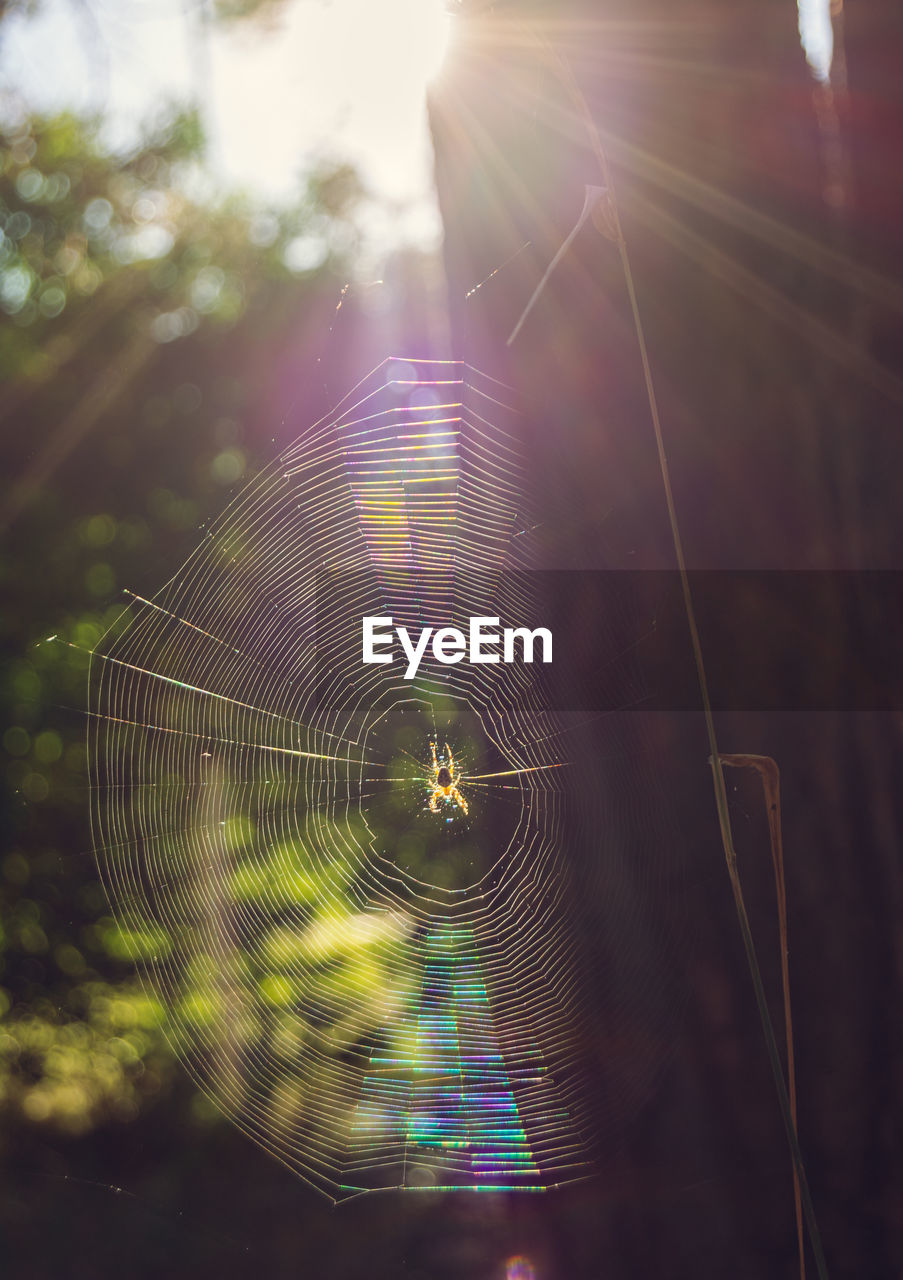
(380, 995)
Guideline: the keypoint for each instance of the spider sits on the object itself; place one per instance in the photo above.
(444, 782)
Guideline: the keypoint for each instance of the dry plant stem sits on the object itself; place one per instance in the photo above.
(721, 803)
(724, 821)
(768, 771)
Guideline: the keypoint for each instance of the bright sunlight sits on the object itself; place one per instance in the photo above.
(337, 78)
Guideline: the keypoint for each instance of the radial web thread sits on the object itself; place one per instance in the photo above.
(380, 995)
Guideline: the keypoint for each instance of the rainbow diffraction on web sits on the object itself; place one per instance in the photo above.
(347, 888)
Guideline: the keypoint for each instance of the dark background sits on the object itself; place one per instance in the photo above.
(763, 226)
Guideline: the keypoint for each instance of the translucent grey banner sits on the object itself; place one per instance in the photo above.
(770, 640)
(620, 640)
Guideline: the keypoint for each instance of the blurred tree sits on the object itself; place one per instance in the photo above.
(162, 322)
(770, 301)
(237, 10)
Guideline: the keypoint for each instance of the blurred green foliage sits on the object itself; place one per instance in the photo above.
(147, 343)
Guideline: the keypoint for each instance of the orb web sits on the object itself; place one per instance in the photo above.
(372, 976)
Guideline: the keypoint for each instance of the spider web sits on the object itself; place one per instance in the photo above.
(379, 995)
